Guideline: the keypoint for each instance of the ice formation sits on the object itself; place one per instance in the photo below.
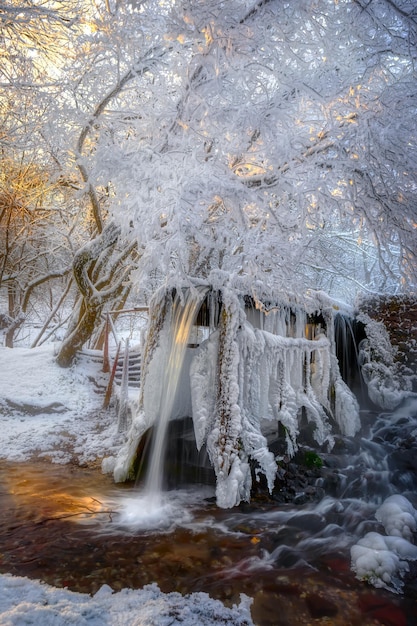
(387, 387)
(257, 369)
(264, 376)
(383, 560)
(398, 517)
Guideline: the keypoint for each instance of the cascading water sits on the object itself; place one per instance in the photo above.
(152, 506)
(242, 382)
(183, 317)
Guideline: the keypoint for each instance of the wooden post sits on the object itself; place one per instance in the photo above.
(106, 360)
(112, 375)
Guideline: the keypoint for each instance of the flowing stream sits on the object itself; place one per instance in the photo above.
(64, 526)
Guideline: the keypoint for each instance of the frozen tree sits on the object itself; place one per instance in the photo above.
(271, 141)
(272, 138)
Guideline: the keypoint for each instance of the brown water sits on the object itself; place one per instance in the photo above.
(60, 524)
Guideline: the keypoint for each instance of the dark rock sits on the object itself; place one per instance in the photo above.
(384, 611)
(320, 607)
(308, 521)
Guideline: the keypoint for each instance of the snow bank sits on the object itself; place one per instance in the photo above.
(31, 602)
(52, 412)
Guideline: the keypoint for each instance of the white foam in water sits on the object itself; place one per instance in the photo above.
(154, 511)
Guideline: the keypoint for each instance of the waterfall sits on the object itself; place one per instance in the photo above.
(184, 311)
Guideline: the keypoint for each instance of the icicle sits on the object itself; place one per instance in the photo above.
(203, 377)
(252, 344)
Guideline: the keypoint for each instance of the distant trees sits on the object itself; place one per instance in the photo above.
(29, 259)
(270, 143)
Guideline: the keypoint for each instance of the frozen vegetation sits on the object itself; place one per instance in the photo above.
(240, 385)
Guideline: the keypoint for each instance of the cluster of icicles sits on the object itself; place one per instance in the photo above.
(238, 385)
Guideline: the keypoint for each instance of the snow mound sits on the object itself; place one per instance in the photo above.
(383, 560)
(398, 517)
(31, 602)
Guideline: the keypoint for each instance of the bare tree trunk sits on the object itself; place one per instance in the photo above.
(11, 296)
(100, 274)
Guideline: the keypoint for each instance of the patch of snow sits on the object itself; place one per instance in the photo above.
(398, 516)
(31, 602)
(383, 560)
(31, 385)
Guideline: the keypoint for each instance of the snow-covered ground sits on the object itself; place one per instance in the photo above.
(54, 413)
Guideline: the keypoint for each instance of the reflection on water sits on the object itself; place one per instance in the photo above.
(70, 527)
(45, 492)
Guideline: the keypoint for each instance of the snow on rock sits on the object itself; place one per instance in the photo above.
(383, 560)
(31, 602)
(398, 516)
(386, 385)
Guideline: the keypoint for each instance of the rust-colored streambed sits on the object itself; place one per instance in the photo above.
(59, 524)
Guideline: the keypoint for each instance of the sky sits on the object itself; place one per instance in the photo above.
(53, 413)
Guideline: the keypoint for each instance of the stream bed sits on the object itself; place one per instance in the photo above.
(68, 526)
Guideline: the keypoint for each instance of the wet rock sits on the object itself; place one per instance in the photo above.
(268, 609)
(345, 445)
(301, 498)
(384, 611)
(288, 558)
(312, 522)
(320, 607)
(403, 461)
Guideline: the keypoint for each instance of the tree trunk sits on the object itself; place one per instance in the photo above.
(100, 279)
(75, 341)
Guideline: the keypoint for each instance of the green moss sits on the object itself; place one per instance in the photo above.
(311, 459)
